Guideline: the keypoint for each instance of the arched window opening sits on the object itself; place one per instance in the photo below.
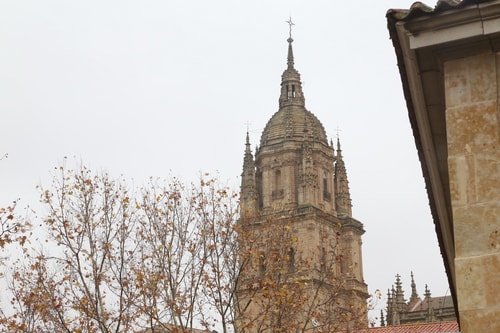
(290, 91)
(277, 187)
(326, 193)
(258, 180)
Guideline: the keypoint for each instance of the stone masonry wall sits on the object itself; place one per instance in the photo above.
(473, 135)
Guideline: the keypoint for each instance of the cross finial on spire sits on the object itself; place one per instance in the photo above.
(290, 41)
(290, 23)
(338, 132)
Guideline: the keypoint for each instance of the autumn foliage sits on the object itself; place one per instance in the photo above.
(121, 261)
(162, 258)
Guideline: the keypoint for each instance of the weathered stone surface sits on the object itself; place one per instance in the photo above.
(474, 227)
(470, 80)
(462, 179)
(483, 321)
(488, 176)
(472, 126)
(456, 92)
(470, 283)
(481, 70)
(492, 280)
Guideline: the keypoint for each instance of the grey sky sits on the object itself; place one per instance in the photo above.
(153, 88)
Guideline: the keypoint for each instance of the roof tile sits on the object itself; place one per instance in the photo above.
(418, 9)
(437, 327)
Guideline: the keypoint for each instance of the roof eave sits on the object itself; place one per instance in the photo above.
(423, 39)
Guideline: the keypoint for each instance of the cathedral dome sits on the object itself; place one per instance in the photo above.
(293, 123)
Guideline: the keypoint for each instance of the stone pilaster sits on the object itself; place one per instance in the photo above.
(472, 117)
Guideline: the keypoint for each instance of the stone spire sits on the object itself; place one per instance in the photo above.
(399, 300)
(248, 161)
(427, 293)
(290, 41)
(289, 58)
(389, 309)
(291, 86)
(382, 321)
(342, 193)
(395, 320)
(400, 297)
(248, 186)
(430, 316)
(414, 295)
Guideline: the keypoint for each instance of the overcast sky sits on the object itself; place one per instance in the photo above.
(158, 88)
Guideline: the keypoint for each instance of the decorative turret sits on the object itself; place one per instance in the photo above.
(248, 186)
(389, 307)
(427, 293)
(430, 316)
(414, 294)
(342, 193)
(308, 179)
(400, 297)
(291, 87)
(393, 319)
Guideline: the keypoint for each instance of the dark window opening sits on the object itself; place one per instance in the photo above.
(278, 191)
(326, 194)
(291, 260)
(290, 93)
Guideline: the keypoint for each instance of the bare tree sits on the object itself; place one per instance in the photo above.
(83, 283)
(188, 255)
(118, 261)
(221, 250)
(169, 258)
(169, 274)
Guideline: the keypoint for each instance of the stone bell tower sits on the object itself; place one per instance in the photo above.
(301, 245)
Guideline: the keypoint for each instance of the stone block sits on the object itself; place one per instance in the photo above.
(470, 80)
(478, 283)
(476, 229)
(470, 284)
(472, 128)
(481, 71)
(483, 321)
(456, 83)
(487, 177)
(492, 280)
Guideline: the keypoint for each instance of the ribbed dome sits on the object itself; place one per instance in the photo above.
(291, 123)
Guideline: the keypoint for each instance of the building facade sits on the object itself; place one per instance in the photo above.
(300, 246)
(448, 57)
(414, 310)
